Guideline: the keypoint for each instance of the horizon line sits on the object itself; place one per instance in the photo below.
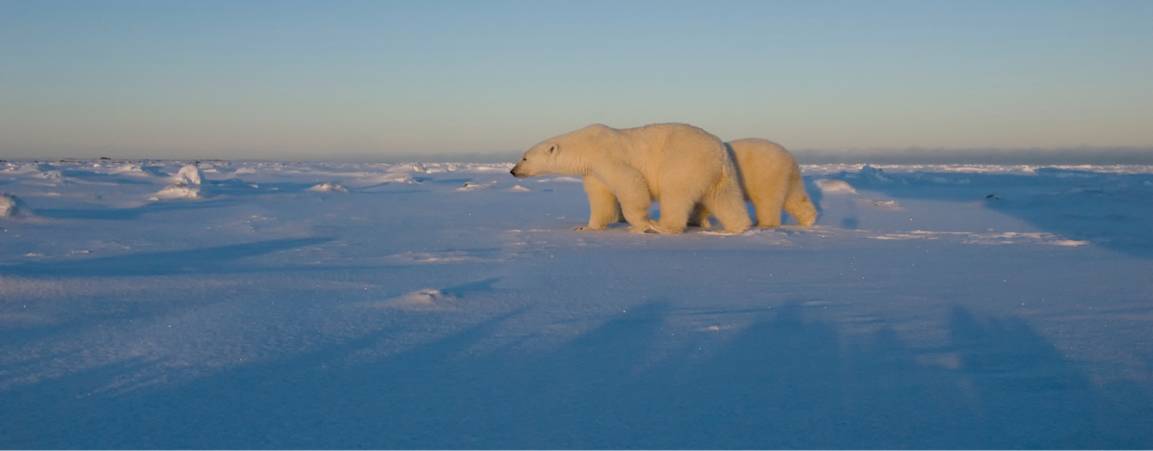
(994, 155)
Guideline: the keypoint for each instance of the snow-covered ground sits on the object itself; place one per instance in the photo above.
(149, 304)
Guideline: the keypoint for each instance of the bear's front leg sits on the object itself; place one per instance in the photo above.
(603, 206)
(632, 191)
(676, 209)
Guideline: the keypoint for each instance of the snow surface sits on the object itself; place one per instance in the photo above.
(171, 192)
(448, 305)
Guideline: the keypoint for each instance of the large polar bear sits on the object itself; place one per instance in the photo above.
(678, 165)
(772, 180)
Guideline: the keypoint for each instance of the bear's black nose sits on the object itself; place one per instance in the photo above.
(513, 172)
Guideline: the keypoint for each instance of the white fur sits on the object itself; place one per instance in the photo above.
(772, 181)
(624, 170)
(10, 206)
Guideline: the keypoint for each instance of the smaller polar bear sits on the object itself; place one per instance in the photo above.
(678, 165)
(771, 180)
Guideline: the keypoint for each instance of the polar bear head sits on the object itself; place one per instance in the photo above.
(540, 159)
(566, 154)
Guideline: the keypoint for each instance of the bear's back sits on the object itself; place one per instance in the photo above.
(671, 139)
(757, 152)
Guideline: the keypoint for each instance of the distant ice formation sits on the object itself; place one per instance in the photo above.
(834, 186)
(186, 184)
(10, 206)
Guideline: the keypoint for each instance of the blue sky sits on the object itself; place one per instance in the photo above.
(288, 79)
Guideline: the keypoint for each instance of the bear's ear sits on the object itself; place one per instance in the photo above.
(553, 148)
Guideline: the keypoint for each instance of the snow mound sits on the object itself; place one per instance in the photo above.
(172, 192)
(869, 172)
(10, 206)
(185, 185)
(328, 187)
(188, 175)
(834, 186)
(520, 189)
(423, 299)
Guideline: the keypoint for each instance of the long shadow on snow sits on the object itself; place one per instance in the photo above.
(188, 261)
(786, 381)
(1110, 210)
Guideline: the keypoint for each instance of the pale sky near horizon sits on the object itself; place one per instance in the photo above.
(341, 79)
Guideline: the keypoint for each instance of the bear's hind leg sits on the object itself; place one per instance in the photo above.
(728, 205)
(768, 208)
(799, 206)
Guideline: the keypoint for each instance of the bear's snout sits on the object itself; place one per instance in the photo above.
(514, 172)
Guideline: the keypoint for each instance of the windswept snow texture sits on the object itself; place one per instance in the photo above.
(443, 305)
